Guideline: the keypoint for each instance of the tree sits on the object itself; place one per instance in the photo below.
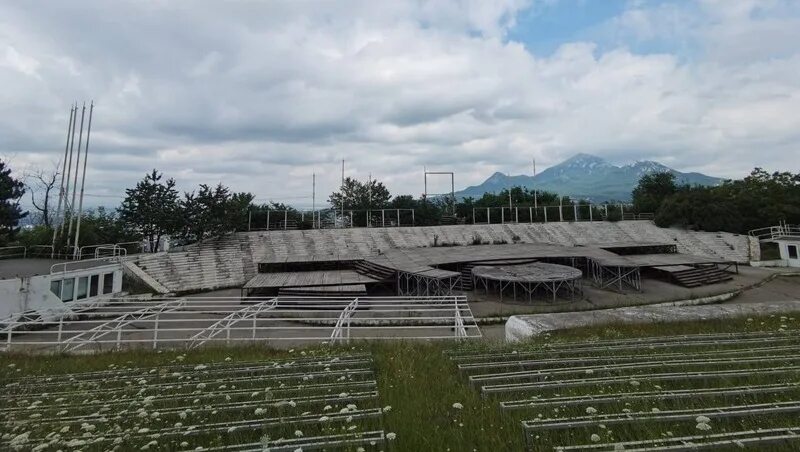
(151, 209)
(760, 199)
(652, 190)
(212, 212)
(11, 190)
(359, 195)
(41, 184)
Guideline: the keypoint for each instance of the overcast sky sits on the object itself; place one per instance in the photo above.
(261, 94)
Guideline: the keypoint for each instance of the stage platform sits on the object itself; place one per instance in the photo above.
(529, 280)
(334, 279)
(438, 270)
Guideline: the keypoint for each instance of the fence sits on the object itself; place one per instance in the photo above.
(547, 214)
(71, 253)
(192, 322)
(329, 218)
(782, 231)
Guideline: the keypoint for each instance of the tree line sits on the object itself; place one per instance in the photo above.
(761, 199)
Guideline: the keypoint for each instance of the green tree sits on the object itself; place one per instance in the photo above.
(760, 199)
(151, 209)
(652, 190)
(212, 212)
(11, 190)
(359, 195)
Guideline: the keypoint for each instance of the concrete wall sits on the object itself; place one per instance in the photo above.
(33, 293)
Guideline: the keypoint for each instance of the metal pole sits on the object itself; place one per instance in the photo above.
(83, 178)
(425, 191)
(342, 193)
(574, 212)
(69, 168)
(267, 218)
(453, 191)
(560, 208)
(285, 219)
(249, 218)
(313, 198)
(590, 213)
(75, 177)
(61, 189)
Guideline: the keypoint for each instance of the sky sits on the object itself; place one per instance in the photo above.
(260, 95)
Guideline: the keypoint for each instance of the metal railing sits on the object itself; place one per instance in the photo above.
(782, 231)
(550, 214)
(12, 252)
(191, 322)
(71, 252)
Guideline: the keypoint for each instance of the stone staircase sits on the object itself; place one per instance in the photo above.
(699, 276)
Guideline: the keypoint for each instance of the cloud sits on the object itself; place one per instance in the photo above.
(261, 95)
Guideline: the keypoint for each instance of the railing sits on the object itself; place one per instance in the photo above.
(71, 252)
(547, 214)
(345, 316)
(782, 231)
(62, 267)
(12, 252)
(191, 322)
(638, 216)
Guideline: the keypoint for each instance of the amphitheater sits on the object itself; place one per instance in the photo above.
(233, 260)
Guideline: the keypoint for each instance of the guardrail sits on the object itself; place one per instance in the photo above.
(11, 252)
(782, 231)
(638, 216)
(72, 253)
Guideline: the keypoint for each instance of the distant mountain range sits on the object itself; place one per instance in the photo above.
(586, 176)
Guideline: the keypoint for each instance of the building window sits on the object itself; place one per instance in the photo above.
(94, 285)
(55, 287)
(108, 283)
(83, 283)
(792, 251)
(67, 292)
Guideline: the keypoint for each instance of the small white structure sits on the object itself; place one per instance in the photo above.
(69, 285)
(787, 237)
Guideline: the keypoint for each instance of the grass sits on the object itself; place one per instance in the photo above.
(429, 404)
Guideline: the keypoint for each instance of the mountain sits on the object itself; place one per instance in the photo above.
(586, 176)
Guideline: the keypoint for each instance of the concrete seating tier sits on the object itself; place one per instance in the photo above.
(231, 260)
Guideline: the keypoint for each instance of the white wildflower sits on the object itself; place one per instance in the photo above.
(298, 433)
(591, 410)
(702, 420)
(703, 426)
(595, 438)
(458, 406)
(391, 436)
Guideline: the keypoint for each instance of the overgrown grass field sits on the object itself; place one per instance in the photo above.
(425, 403)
